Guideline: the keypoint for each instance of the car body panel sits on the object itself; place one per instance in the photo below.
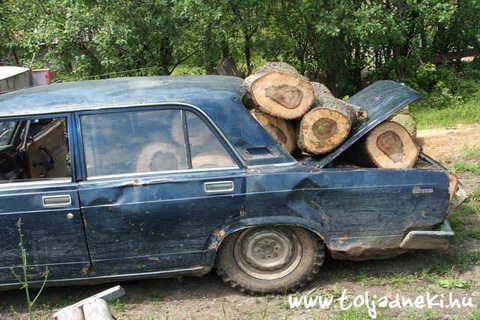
(155, 222)
(359, 213)
(51, 240)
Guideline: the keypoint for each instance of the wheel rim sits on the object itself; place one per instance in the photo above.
(267, 253)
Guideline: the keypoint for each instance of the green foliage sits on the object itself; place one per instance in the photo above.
(453, 94)
(344, 44)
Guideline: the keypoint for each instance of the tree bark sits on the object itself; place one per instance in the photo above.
(407, 121)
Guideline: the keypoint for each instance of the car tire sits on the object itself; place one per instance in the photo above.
(270, 259)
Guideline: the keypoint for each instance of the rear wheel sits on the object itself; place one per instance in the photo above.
(270, 259)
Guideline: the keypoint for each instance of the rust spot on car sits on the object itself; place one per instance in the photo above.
(85, 270)
(243, 213)
(342, 239)
(154, 259)
(219, 233)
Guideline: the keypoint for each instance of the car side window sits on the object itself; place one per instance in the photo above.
(205, 148)
(34, 150)
(133, 142)
(130, 142)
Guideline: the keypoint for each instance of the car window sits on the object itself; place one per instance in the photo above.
(133, 142)
(7, 129)
(205, 148)
(36, 151)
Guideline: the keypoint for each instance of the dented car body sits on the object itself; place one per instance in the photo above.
(117, 216)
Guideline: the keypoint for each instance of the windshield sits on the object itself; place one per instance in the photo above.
(7, 128)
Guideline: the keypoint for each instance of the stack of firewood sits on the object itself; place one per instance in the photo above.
(304, 115)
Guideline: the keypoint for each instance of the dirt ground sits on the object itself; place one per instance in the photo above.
(455, 271)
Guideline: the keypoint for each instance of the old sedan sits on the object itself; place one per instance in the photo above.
(164, 176)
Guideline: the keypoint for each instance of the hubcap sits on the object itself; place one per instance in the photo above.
(267, 253)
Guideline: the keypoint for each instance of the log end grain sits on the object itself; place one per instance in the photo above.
(390, 145)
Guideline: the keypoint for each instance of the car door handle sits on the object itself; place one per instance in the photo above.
(137, 183)
(63, 200)
(218, 187)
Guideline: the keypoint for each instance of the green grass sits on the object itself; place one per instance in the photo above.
(458, 113)
(462, 110)
(465, 219)
(360, 314)
(461, 166)
(470, 153)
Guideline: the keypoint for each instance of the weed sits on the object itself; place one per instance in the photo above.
(470, 153)
(120, 304)
(24, 278)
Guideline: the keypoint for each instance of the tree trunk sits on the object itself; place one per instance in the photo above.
(280, 91)
(280, 129)
(389, 145)
(326, 126)
(228, 67)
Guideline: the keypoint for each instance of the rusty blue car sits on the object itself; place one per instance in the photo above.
(146, 177)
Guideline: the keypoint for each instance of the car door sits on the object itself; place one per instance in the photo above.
(159, 181)
(42, 211)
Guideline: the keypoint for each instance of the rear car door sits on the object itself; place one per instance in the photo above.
(159, 181)
(39, 203)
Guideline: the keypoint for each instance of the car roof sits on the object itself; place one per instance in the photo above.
(219, 97)
(110, 93)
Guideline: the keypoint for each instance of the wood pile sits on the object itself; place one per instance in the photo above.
(305, 117)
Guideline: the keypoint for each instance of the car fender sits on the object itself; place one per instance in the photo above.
(219, 234)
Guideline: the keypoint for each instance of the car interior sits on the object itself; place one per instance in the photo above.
(32, 150)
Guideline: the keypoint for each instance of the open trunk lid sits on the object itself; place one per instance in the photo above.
(380, 100)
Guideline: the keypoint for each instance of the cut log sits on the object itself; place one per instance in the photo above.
(277, 66)
(326, 126)
(280, 129)
(321, 90)
(159, 156)
(360, 114)
(280, 91)
(390, 145)
(211, 160)
(407, 121)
